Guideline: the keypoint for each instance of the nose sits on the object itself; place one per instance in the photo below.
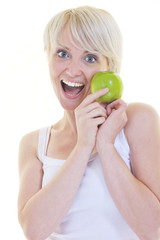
(74, 68)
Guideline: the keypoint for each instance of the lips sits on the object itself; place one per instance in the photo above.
(72, 89)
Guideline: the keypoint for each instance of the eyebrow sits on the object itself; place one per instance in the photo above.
(62, 46)
(68, 49)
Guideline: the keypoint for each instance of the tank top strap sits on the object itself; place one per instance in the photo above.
(122, 147)
(44, 134)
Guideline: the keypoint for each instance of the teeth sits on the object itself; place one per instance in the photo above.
(72, 84)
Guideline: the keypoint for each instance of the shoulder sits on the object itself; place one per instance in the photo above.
(141, 115)
(30, 168)
(28, 147)
(29, 141)
(143, 121)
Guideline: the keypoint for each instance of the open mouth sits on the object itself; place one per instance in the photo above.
(71, 88)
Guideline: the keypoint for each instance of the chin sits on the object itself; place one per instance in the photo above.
(69, 106)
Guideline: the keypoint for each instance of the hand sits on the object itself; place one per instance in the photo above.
(115, 121)
(89, 115)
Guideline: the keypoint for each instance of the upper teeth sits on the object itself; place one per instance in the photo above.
(73, 84)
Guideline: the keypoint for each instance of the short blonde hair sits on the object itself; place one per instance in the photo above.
(93, 28)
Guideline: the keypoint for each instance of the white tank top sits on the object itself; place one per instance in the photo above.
(93, 214)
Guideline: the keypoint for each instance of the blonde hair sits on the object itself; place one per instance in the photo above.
(93, 28)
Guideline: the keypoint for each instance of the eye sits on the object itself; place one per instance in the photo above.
(91, 58)
(63, 53)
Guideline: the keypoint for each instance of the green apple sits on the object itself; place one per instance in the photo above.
(110, 80)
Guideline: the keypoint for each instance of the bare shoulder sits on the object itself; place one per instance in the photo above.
(29, 140)
(143, 120)
(141, 111)
(30, 168)
(28, 148)
(143, 134)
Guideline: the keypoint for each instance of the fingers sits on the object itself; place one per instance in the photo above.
(98, 113)
(94, 106)
(98, 121)
(118, 104)
(92, 97)
(94, 110)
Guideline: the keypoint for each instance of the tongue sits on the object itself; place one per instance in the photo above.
(72, 90)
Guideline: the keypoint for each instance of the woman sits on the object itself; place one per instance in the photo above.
(96, 173)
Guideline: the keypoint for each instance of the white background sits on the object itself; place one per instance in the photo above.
(26, 96)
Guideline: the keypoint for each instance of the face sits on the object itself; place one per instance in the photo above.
(71, 70)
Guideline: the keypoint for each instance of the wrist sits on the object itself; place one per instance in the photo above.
(83, 148)
(105, 149)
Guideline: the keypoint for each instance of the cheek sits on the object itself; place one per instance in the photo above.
(92, 72)
(101, 67)
(53, 71)
(105, 65)
(55, 68)
(55, 65)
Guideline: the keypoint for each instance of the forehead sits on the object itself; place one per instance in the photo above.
(66, 39)
(69, 39)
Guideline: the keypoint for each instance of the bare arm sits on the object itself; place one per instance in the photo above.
(41, 210)
(136, 195)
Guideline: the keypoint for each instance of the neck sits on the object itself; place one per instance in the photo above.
(69, 122)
